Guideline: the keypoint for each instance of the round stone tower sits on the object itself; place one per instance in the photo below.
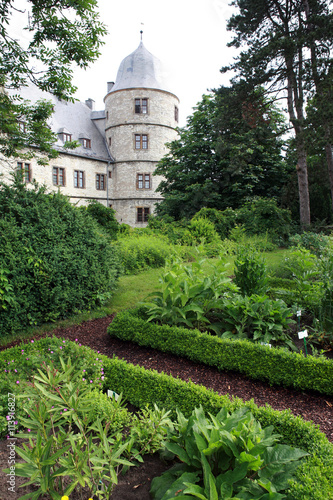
(141, 117)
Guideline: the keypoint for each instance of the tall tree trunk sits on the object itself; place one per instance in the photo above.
(303, 185)
(329, 160)
(295, 110)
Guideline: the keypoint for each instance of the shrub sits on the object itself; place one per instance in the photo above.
(142, 251)
(263, 215)
(200, 230)
(104, 216)
(316, 243)
(250, 272)
(53, 257)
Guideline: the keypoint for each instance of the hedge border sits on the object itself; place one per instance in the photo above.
(143, 387)
(272, 365)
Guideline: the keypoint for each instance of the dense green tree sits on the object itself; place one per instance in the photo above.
(279, 37)
(62, 33)
(229, 152)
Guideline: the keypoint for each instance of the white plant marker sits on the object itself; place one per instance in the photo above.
(112, 394)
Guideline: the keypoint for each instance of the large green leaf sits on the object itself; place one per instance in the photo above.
(166, 486)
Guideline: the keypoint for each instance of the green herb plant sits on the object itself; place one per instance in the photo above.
(225, 456)
(65, 439)
(257, 318)
(250, 272)
(189, 292)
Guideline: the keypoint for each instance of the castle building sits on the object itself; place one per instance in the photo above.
(119, 147)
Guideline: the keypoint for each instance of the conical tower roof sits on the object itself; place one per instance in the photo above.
(141, 69)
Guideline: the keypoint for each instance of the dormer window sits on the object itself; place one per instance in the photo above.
(141, 106)
(65, 135)
(86, 143)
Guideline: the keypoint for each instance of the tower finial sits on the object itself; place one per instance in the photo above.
(141, 32)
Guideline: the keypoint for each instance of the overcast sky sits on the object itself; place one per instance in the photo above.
(188, 36)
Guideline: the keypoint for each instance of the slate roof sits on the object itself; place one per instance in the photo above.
(141, 69)
(76, 118)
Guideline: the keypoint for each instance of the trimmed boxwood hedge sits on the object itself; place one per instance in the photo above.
(143, 387)
(272, 365)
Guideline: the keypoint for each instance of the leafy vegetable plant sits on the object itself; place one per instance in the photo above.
(225, 456)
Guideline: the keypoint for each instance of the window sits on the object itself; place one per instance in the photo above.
(110, 141)
(176, 114)
(142, 214)
(66, 137)
(86, 143)
(141, 106)
(79, 179)
(58, 175)
(100, 182)
(26, 169)
(110, 174)
(141, 141)
(143, 181)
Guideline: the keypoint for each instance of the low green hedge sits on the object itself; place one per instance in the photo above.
(143, 387)
(272, 365)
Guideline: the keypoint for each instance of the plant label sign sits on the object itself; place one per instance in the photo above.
(302, 335)
(112, 394)
(299, 313)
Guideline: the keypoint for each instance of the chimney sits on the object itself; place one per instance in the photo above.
(109, 86)
(91, 104)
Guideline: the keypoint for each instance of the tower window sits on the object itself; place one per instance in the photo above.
(26, 168)
(176, 114)
(143, 181)
(79, 179)
(58, 176)
(142, 214)
(141, 106)
(141, 141)
(100, 182)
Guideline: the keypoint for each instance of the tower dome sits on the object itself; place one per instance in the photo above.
(141, 69)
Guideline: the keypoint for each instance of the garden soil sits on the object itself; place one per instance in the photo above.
(136, 483)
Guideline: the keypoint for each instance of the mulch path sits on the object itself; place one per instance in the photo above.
(309, 405)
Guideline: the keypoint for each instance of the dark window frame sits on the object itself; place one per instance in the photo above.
(142, 214)
(141, 141)
(79, 179)
(141, 106)
(27, 172)
(143, 181)
(101, 182)
(58, 174)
